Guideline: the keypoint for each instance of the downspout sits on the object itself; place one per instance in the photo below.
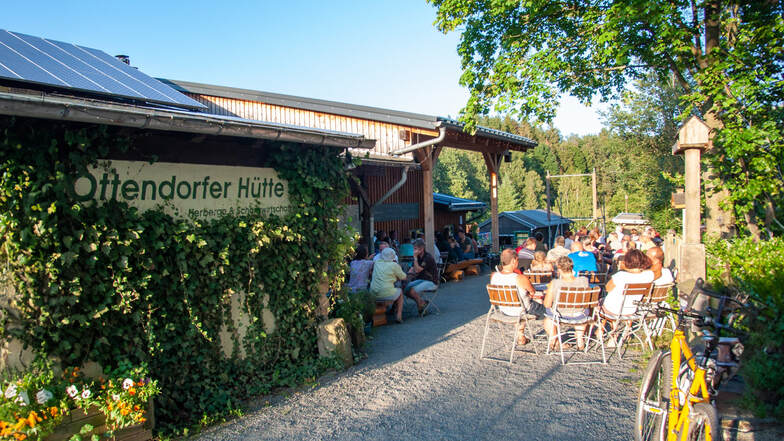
(429, 142)
(372, 208)
(403, 178)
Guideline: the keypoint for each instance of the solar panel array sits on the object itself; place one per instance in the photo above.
(40, 61)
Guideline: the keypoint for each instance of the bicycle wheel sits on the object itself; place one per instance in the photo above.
(650, 423)
(703, 424)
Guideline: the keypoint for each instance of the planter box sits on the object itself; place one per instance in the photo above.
(73, 423)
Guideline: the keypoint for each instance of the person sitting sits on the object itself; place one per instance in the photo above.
(540, 245)
(568, 239)
(508, 277)
(406, 249)
(559, 250)
(454, 250)
(635, 270)
(382, 285)
(424, 273)
(382, 245)
(526, 254)
(613, 241)
(540, 264)
(662, 275)
(581, 259)
(360, 270)
(442, 242)
(626, 244)
(565, 279)
(646, 242)
(466, 245)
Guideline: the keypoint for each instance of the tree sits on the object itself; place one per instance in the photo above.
(532, 195)
(727, 58)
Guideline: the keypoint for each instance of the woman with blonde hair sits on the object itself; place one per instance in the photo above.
(539, 264)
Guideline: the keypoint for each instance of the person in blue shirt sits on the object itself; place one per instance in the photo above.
(583, 260)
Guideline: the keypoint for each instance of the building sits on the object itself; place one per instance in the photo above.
(526, 223)
(390, 185)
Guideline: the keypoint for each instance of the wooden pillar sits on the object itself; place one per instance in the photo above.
(427, 158)
(493, 162)
(593, 194)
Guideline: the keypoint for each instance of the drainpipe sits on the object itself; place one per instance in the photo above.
(429, 142)
(381, 200)
(396, 187)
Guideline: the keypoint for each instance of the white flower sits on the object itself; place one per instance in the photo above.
(86, 393)
(115, 397)
(43, 396)
(72, 391)
(127, 383)
(23, 399)
(10, 391)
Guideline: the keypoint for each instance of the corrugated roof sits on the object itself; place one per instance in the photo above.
(532, 219)
(45, 106)
(455, 203)
(316, 105)
(490, 133)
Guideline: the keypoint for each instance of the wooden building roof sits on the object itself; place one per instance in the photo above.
(392, 129)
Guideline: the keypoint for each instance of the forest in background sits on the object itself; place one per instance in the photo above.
(632, 157)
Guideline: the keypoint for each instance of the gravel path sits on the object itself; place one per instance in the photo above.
(423, 380)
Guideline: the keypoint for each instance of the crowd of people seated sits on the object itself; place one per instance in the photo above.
(397, 269)
(631, 257)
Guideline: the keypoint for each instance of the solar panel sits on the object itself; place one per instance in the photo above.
(60, 65)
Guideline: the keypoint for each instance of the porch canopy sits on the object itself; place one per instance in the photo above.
(492, 144)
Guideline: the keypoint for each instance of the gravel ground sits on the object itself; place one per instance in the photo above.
(423, 380)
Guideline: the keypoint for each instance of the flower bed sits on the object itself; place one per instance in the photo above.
(39, 405)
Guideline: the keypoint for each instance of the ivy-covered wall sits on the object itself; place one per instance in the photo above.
(109, 284)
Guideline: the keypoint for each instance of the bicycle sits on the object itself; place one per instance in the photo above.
(680, 405)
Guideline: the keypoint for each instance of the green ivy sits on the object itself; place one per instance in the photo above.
(111, 284)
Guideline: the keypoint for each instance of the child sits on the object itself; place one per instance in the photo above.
(539, 264)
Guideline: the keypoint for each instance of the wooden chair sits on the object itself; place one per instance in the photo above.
(652, 324)
(595, 278)
(579, 298)
(539, 279)
(508, 296)
(627, 324)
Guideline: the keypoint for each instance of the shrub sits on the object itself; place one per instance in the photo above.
(110, 284)
(757, 269)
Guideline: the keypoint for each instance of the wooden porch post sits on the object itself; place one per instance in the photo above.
(427, 159)
(493, 162)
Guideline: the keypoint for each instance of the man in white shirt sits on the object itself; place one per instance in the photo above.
(559, 250)
(663, 276)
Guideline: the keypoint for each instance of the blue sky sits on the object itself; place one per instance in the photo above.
(377, 53)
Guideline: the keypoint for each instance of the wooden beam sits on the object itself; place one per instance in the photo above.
(493, 162)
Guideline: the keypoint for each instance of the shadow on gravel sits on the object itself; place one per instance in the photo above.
(459, 302)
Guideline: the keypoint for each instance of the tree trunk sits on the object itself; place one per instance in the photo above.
(718, 222)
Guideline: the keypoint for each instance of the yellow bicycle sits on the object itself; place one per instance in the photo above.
(678, 404)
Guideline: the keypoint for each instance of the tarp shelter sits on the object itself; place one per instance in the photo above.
(630, 219)
(530, 221)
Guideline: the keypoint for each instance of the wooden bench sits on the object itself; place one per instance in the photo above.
(455, 271)
(380, 314)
